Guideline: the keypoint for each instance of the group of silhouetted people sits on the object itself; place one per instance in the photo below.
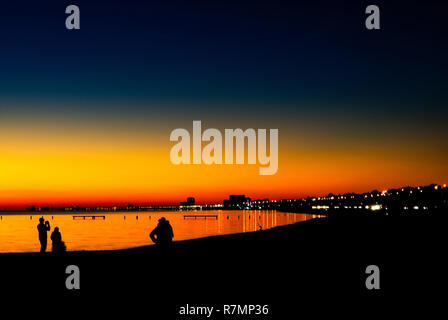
(162, 235)
(58, 246)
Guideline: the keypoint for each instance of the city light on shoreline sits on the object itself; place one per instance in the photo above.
(371, 201)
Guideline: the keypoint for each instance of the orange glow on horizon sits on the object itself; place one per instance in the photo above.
(57, 167)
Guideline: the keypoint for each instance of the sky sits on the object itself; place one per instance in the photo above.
(86, 115)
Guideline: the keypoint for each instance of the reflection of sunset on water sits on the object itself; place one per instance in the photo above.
(18, 233)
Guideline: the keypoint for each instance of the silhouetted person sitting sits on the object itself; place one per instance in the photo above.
(162, 235)
(58, 244)
(43, 228)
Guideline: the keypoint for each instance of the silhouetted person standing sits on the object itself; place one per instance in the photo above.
(162, 235)
(58, 246)
(43, 228)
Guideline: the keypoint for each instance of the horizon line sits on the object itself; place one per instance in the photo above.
(127, 204)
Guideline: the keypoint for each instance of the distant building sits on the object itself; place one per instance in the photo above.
(237, 202)
(261, 204)
(190, 202)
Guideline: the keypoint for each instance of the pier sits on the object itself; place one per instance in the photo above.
(89, 217)
(205, 216)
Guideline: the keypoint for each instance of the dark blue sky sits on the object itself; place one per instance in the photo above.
(289, 53)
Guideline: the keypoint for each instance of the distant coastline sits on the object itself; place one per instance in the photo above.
(405, 200)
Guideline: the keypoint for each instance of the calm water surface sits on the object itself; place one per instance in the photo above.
(18, 233)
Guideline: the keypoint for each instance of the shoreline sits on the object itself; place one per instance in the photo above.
(340, 228)
(180, 243)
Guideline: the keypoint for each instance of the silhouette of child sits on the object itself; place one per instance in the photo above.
(58, 244)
